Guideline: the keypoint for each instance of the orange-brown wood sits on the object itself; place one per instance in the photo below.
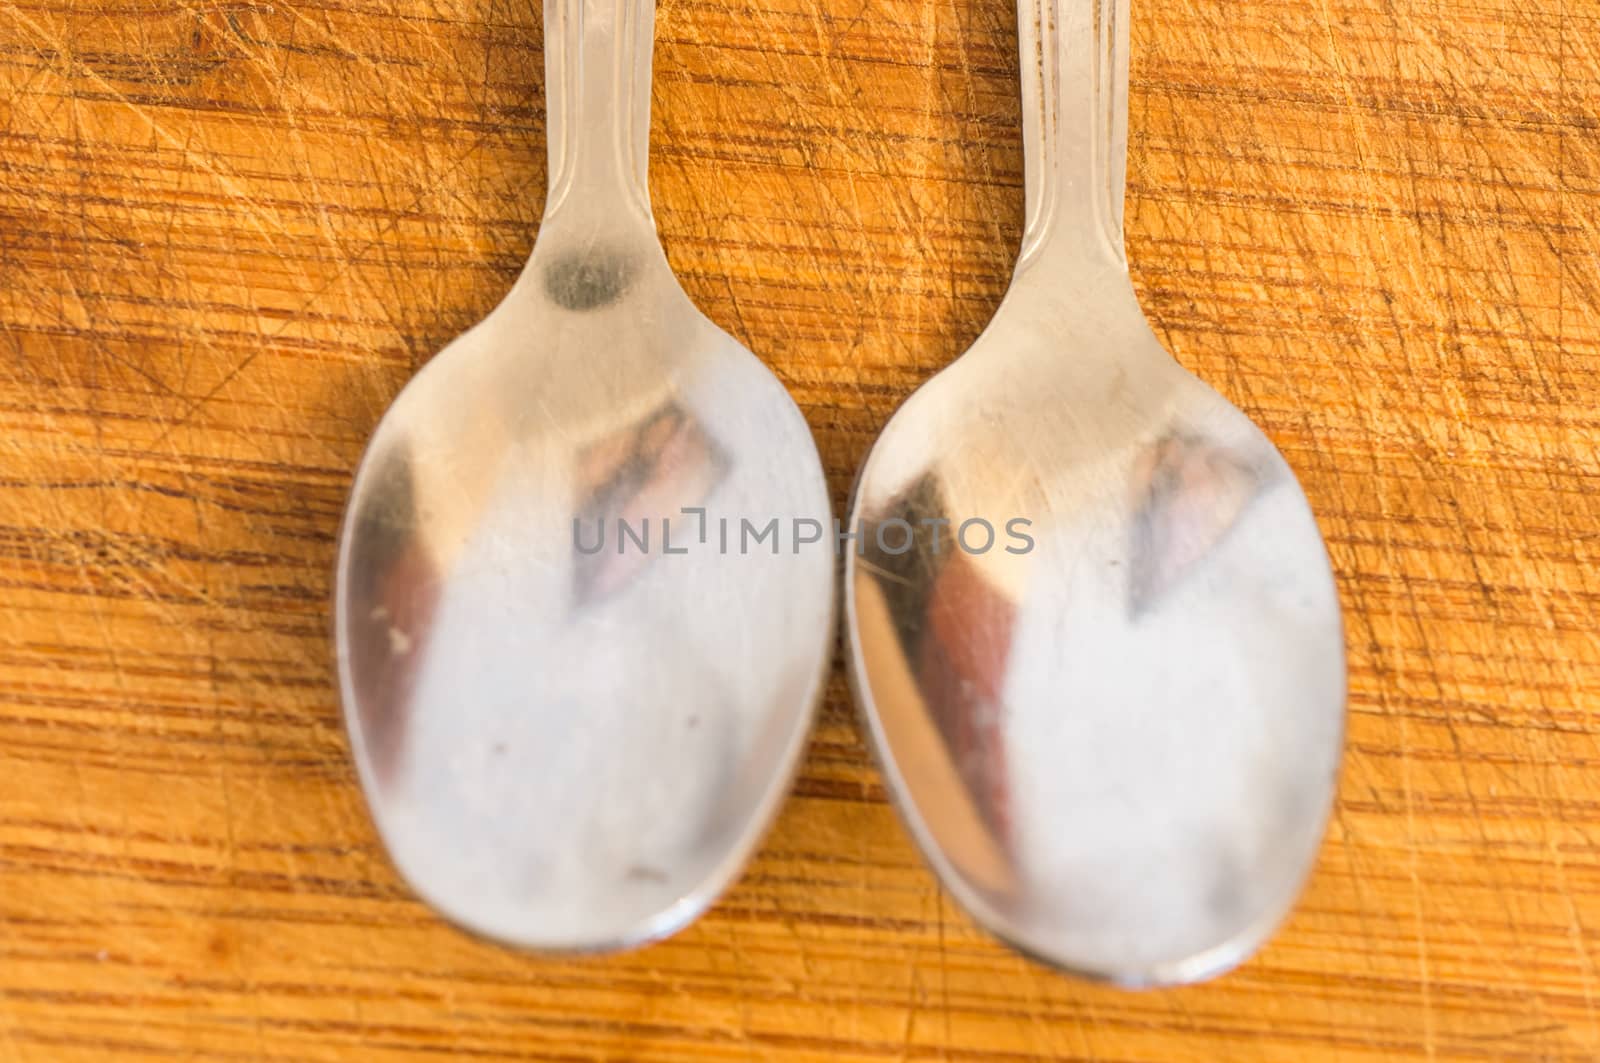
(229, 232)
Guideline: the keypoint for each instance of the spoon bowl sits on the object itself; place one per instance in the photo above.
(1092, 623)
(575, 702)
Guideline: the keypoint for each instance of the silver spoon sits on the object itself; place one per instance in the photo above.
(1113, 728)
(571, 733)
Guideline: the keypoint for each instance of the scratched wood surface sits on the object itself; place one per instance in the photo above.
(229, 232)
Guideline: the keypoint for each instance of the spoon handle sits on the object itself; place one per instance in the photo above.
(597, 102)
(1074, 60)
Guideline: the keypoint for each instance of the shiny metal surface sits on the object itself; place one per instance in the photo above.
(570, 737)
(1114, 734)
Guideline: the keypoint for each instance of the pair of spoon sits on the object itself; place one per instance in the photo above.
(577, 690)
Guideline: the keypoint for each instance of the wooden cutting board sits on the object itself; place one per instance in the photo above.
(230, 231)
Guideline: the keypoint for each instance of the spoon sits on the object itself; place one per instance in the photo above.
(1092, 625)
(574, 697)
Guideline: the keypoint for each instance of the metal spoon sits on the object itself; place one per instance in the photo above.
(1113, 727)
(567, 739)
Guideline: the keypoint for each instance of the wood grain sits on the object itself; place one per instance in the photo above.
(230, 231)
